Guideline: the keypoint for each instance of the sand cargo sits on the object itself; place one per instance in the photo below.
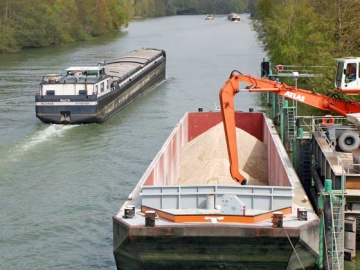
(187, 213)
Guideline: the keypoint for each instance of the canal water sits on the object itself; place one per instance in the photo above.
(60, 185)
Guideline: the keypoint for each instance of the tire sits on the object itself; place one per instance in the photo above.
(348, 140)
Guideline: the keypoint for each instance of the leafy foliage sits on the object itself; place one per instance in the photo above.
(309, 33)
(155, 8)
(47, 22)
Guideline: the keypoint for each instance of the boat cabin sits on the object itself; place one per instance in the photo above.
(348, 75)
(85, 71)
(90, 80)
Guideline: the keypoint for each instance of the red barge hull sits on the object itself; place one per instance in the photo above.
(166, 226)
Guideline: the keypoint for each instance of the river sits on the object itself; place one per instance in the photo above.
(61, 185)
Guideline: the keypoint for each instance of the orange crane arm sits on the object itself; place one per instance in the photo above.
(257, 84)
(326, 103)
(227, 93)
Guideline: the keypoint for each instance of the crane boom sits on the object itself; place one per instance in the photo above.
(257, 84)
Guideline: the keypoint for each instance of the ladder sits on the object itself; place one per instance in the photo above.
(280, 102)
(335, 231)
(333, 203)
(288, 127)
(304, 162)
(291, 128)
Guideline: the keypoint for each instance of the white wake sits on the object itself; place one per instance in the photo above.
(51, 132)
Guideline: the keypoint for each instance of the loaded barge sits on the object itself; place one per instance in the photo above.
(92, 94)
(302, 218)
(180, 216)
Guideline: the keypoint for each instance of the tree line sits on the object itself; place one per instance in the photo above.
(309, 33)
(154, 8)
(42, 23)
(297, 32)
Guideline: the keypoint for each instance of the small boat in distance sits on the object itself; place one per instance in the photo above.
(92, 94)
(233, 17)
(209, 17)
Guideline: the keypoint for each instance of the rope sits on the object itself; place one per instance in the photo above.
(294, 249)
(326, 247)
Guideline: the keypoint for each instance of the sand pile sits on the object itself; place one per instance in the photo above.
(205, 160)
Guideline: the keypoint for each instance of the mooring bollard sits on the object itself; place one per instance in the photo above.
(277, 220)
(302, 213)
(129, 211)
(150, 218)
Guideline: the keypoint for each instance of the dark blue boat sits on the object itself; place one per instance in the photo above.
(92, 94)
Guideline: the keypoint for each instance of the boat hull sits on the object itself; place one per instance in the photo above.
(234, 17)
(212, 247)
(82, 109)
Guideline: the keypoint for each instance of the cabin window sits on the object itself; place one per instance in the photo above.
(339, 73)
(82, 92)
(351, 72)
(102, 87)
(50, 92)
(91, 73)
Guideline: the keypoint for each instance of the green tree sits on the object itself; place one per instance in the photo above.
(8, 41)
(309, 33)
(289, 31)
(292, 33)
(341, 22)
(46, 22)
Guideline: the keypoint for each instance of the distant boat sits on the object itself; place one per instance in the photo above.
(209, 17)
(233, 17)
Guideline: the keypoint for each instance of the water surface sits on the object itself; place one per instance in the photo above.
(60, 185)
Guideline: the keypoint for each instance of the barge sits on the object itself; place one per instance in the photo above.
(170, 221)
(92, 94)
